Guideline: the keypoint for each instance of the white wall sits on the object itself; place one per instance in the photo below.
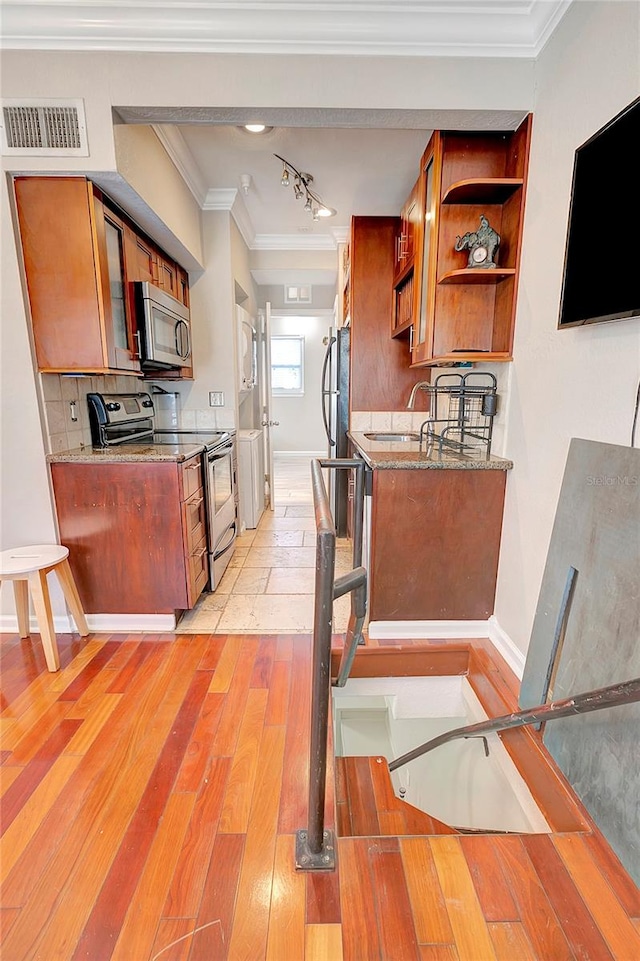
(579, 382)
(300, 418)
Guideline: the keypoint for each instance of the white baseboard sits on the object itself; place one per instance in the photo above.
(99, 623)
(384, 630)
(427, 629)
(505, 646)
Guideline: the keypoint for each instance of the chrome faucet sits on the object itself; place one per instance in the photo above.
(421, 385)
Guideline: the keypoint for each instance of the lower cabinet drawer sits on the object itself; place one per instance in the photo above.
(195, 521)
(198, 569)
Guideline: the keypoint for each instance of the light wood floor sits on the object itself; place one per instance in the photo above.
(151, 791)
(269, 584)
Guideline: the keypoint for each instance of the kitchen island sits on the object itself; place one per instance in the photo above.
(433, 522)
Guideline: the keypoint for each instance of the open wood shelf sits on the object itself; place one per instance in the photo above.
(487, 190)
(477, 275)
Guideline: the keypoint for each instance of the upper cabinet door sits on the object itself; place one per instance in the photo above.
(426, 253)
(116, 305)
(74, 272)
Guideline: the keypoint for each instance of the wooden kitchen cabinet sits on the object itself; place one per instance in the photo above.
(136, 534)
(74, 259)
(434, 545)
(381, 379)
(463, 313)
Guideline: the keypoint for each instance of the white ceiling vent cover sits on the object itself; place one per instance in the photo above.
(44, 128)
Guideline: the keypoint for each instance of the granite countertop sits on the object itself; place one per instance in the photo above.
(126, 454)
(409, 455)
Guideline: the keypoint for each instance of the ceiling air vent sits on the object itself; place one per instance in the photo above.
(45, 128)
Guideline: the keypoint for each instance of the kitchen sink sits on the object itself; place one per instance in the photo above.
(389, 438)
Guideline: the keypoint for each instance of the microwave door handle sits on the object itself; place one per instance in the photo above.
(182, 353)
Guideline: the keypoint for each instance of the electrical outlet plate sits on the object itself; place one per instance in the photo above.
(216, 398)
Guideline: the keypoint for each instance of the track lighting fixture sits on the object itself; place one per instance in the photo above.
(302, 189)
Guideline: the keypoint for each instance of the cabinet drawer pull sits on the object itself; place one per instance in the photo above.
(199, 554)
(195, 503)
(195, 466)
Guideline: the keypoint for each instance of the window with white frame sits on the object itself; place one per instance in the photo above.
(287, 365)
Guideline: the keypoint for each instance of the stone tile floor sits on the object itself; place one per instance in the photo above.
(269, 584)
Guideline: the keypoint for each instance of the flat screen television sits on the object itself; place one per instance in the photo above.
(601, 269)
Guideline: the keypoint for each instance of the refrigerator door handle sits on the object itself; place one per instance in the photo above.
(327, 393)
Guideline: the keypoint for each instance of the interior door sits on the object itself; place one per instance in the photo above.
(265, 399)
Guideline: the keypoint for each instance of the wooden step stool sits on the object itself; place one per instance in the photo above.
(28, 567)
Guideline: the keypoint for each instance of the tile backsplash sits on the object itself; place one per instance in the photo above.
(60, 391)
(395, 420)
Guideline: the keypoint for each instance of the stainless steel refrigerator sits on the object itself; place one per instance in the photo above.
(335, 413)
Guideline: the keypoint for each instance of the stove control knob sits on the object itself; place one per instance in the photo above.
(147, 403)
(112, 405)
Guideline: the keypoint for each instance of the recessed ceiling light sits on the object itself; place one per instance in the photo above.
(257, 127)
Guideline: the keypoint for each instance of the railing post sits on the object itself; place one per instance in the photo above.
(315, 847)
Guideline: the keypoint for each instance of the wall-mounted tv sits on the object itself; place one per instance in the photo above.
(601, 269)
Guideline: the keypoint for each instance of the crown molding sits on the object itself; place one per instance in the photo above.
(450, 28)
(293, 242)
(243, 221)
(220, 198)
(177, 149)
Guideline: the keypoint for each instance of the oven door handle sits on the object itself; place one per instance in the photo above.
(219, 454)
(223, 550)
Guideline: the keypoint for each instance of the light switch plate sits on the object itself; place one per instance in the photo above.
(216, 398)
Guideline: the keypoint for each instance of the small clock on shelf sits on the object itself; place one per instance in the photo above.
(482, 245)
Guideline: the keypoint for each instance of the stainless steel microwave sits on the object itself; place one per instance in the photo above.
(164, 328)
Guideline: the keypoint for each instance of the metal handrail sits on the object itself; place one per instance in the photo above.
(315, 847)
(628, 692)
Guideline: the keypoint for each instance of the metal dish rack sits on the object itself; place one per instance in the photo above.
(462, 409)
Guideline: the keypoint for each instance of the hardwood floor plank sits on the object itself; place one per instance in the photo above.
(494, 896)
(579, 928)
(8, 774)
(34, 810)
(23, 714)
(627, 893)
(439, 952)
(234, 818)
(92, 781)
(96, 690)
(397, 932)
(536, 913)
(213, 652)
(323, 897)
(286, 935)
(65, 677)
(81, 681)
(427, 900)
(278, 693)
(362, 802)
(67, 879)
(173, 939)
(510, 941)
(187, 885)
(323, 942)
(360, 936)
(118, 889)
(392, 823)
(129, 670)
(226, 737)
(465, 914)
(618, 931)
(295, 784)
(198, 754)
(94, 724)
(264, 662)
(251, 920)
(137, 934)
(218, 900)
(23, 787)
(284, 647)
(34, 738)
(226, 665)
